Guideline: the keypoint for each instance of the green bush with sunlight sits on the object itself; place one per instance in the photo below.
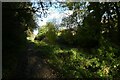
(47, 33)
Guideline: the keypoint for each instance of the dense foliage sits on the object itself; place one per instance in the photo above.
(48, 33)
(90, 50)
(89, 47)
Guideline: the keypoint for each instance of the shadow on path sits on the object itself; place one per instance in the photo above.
(37, 66)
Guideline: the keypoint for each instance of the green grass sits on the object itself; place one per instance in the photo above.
(78, 63)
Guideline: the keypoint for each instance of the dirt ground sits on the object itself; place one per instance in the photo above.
(34, 67)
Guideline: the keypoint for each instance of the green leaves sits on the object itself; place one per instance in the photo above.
(47, 32)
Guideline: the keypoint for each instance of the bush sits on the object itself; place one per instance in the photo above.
(41, 37)
(47, 33)
(66, 37)
(86, 39)
(51, 33)
(41, 34)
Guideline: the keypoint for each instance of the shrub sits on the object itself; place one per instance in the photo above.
(85, 38)
(47, 33)
(51, 33)
(66, 37)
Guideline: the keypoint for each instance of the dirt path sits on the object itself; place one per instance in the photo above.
(33, 66)
(37, 67)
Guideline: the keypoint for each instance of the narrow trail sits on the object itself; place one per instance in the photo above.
(34, 67)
